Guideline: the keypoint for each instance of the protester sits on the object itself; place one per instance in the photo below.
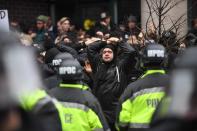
(131, 27)
(38, 35)
(110, 75)
(108, 58)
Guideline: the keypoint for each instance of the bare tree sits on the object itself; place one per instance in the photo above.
(159, 14)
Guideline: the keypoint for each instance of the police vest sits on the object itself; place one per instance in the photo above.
(137, 111)
(76, 116)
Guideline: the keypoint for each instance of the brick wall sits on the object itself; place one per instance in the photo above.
(25, 11)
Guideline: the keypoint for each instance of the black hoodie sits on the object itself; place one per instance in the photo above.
(110, 79)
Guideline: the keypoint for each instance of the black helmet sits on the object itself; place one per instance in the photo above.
(60, 57)
(50, 55)
(169, 35)
(70, 70)
(168, 38)
(153, 55)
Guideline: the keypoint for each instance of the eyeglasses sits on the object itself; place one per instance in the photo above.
(109, 52)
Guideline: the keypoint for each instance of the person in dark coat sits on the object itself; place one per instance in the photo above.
(66, 35)
(109, 74)
(13, 116)
(140, 98)
(74, 94)
(177, 111)
(191, 38)
(53, 81)
(39, 34)
(103, 27)
(45, 67)
(131, 27)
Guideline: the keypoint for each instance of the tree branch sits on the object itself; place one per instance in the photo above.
(149, 7)
(171, 7)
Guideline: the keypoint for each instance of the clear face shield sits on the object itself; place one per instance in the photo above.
(22, 72)
(181, 90)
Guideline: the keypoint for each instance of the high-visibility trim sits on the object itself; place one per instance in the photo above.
(28, 101)
(125, 113)
(98, 130)
(123, 124)
(147, 91)
(74, 118)
(140, 107)
(75, 105)
(94, 120)
(42, 102)
(144, 106)
(83, 87)
(138, 125)
(134, 125)
(149, 72)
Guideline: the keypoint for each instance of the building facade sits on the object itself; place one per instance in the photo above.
(26, 11)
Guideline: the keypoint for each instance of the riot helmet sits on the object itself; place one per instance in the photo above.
(70, 70)
(153, 55)
(59, 58)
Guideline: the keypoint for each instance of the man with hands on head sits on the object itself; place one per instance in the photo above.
(110, 74)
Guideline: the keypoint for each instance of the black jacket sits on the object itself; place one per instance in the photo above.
(102, 28)
(110, 79)
(46, 70)
(79, 96)
(51, 82)
(155, 81)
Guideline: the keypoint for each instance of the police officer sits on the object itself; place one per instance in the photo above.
(23, 80)
(140, 99)
(12, 60)
(179, 112)
(53, 80)
(131, 27)
(80, 108)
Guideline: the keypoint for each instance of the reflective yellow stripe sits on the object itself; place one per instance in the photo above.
(83, 87)
(149, 72)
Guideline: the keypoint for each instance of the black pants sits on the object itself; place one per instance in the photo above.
(112, 126)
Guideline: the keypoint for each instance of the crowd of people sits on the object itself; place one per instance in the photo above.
(106, 78)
